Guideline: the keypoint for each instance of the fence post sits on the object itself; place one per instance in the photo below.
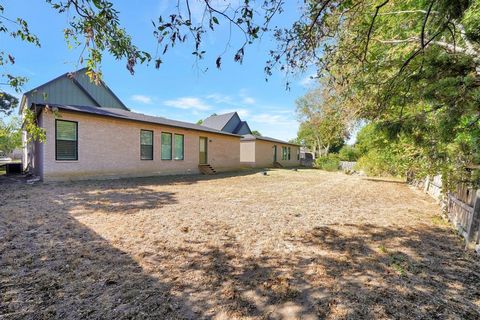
(474, 228)
(426, 184)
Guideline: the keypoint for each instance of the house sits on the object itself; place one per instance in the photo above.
(92, 134)
(256, 151)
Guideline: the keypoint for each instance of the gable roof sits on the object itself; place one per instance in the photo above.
(240, 125)
(79, 89)
(128, 115)
(251, 137)
(219, 121)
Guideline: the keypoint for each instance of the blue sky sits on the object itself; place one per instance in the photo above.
(180, 89)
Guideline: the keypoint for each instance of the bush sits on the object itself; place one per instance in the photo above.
(348, 153)
(330, 162)
(377, 163)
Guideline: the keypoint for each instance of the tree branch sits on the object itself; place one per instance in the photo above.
(370, 29)
(424, 24)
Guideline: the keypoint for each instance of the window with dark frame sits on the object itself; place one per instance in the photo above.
(146, 145)
(179, 144)
(284, 153)
(298, 153)
(166, 146)
(289, 157)
(66, 140)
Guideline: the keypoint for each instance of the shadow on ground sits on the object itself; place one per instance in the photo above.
(52, 266)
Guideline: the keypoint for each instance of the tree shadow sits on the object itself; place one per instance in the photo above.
(360, 272)
(385, 180)
(52, 266)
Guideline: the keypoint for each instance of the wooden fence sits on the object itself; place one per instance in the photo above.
(462, 207)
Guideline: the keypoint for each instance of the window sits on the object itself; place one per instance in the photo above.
(298, 153)
(178, 146)
(166, 146)
(146, 145)
(289, 153)
(284, 153)
(66, 140)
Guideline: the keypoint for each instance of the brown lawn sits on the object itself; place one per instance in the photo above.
(290, 245)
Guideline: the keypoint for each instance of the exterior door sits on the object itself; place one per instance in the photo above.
(203, 150)
(274, 153)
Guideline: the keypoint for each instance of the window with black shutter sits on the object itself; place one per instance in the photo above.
(66, 140)
(146, 145)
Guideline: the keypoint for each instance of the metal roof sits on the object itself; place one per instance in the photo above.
(128, 115)
(98, 95)
(218, 122)
(251, 137)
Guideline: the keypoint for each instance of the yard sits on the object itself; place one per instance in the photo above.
(291, 245)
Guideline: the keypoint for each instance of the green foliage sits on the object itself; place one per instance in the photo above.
(330, 162)
(322, 122)
(256, 133)
(35, 133)
(409, 69)
(348, 153)
(7, 103)
(10, 135)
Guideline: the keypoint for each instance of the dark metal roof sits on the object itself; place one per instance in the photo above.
(240, 124)
(128, 115)
(251, 137)
(218, 122)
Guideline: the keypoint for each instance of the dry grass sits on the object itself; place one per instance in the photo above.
(290, 245)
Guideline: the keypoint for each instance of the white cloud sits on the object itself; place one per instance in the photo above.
(308, 81)
(194, 103)
(220, 98)
(274, 119)
(142, 99)
(241, 112)
(248, 100)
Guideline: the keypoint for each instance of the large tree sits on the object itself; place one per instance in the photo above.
(323, 122)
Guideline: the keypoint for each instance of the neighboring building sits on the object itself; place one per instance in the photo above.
(261, 152)
(256, 151)
(92, 134)
(228, 122)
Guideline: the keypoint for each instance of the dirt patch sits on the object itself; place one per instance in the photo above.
(290, 245)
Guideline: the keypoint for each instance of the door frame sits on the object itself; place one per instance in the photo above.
(206, 150)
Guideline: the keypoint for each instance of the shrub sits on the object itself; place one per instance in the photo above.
(330, 162)
(377, 163)
(348, 153)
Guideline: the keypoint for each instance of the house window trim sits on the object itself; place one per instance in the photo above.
(76, 141)
(153, 148)
(161, 146)
(183, 147)
(289, 153)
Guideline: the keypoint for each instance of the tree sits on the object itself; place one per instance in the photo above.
(256, 133)
(92, 24)
(418, 86)
(322, 121)
(10, 135)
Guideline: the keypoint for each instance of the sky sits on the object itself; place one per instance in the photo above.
(181, 89)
